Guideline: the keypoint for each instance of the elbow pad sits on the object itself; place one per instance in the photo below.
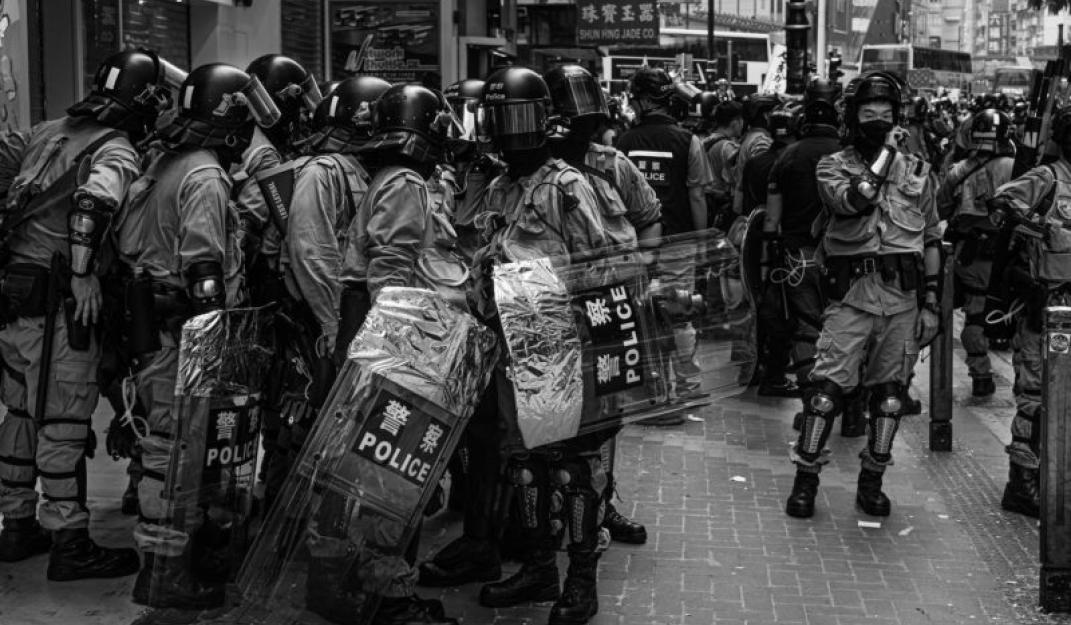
(86, 226)
(205, 285)
(869, 184)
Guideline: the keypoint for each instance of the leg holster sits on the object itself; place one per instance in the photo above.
(530, 478)
(821, 405)
(886, 409)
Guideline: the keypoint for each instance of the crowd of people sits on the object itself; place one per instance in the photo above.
(154, 184)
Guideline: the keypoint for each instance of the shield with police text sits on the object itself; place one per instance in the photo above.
(222, 360)
(335, 540)
(751, 257)
(611, 337)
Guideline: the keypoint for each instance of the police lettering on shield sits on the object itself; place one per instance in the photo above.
(610, 315)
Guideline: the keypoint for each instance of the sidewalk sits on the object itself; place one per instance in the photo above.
(721, 550)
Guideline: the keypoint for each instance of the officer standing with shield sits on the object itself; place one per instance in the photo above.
(882, 250)
(178, 232)
(675, 165)
(72, 174)
(536, 190)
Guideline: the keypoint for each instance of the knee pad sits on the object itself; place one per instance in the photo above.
(886, 409)
(821, 405)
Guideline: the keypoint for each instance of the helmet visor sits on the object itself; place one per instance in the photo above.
(577, 95)
(260, 104)
(467, 112)
(171, 75)
(515, 125)
(310, 93)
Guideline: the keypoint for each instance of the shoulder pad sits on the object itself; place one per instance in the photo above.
(568, 175)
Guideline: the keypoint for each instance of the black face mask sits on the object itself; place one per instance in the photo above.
(872, 133)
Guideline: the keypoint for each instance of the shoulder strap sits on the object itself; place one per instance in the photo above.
(588, 170)
(55, 191)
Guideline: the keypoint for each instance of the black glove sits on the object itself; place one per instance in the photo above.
(91, 444)
(120, 440)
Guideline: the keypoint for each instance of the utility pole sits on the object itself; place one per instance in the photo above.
(711, 51)
(820, 41)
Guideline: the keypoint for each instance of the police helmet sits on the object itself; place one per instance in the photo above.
(708, 103)
(342, 121)
(874, 87)
(575, 93)
(758, 107)
(412, 120)
(820, 102)
(218, 105)
(917, 109)
(653, 83)
(130, 89)
(464, 99)
(784, 121)
(515, 110)
(991, 132)
(289, 85)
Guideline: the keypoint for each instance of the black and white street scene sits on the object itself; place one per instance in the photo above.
(526, 312)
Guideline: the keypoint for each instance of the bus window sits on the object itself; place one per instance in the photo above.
(892, 60)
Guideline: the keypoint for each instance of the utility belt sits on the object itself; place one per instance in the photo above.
(842, 271)
(29, 290)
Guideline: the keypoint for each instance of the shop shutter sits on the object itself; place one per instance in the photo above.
(303, 31)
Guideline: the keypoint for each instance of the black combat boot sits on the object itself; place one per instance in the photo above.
(410, 611)
(75, 556)
(623, 529)
(580, 598)
(165, 582)
(801, 501)
(869, 496)
(983, 387)
(130, 499)
(23, 538)
(1022, 493)
(463, 561)
(537, 580)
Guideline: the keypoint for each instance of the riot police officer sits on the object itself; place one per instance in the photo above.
(792, 206)
(675, 165)
(177, 228)
(962, 198)
(569, 475)
(881, 228)
(72, 175)
(1043, 191)
(630, 208)
(393, 228)
(328, 185)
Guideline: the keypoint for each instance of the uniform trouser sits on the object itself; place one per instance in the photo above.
(775, 330)
(156, 390)
(483, 469)
(677, 270)
(849, 339)
(1025, 447)
(806, 305)
(974, 280)
(51, 450)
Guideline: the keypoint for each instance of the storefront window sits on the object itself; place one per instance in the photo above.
(396, 41)
(112, 25)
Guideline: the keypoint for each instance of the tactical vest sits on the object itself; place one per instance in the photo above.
(51, 153)
(659, 148)
(151, 220)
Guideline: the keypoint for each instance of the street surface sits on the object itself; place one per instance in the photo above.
(721, 551)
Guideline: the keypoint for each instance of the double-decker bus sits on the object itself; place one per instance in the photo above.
(1014, 81)
(923, 69)
(749, 54)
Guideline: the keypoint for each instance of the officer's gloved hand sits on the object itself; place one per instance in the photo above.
(120, 439)
(928, 325)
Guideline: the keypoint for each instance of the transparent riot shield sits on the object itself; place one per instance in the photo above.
(751, 279)
(335, 541)
(222, 358)
(618, 336)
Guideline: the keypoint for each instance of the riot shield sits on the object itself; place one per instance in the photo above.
(616, 336)
(336, 539)
(223, 356)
